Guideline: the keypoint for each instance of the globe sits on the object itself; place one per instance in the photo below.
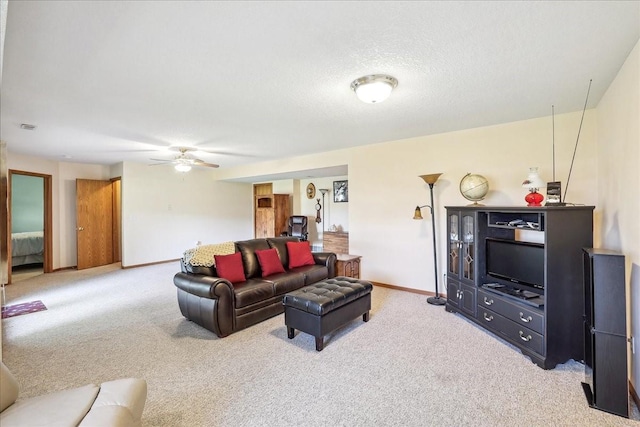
(474, 187)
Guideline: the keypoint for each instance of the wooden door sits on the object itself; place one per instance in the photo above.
(94, 223)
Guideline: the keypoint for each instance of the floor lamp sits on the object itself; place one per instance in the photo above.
(431, 179)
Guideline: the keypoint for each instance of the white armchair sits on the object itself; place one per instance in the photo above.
(113, 403)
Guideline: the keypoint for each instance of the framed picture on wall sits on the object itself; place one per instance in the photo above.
(340, 191)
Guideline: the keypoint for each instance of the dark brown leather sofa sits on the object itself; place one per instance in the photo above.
(223, 308)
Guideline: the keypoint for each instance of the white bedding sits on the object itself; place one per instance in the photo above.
(27, 248)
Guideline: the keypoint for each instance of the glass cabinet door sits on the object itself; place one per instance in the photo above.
(454, 244)
(468, 245)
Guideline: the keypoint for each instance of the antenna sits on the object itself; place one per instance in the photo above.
(553, 142)
(554, 188)
(577, 139)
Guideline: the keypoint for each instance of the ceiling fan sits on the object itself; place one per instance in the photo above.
(184, 161)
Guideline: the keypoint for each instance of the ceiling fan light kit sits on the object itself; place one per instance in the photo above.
(374, 88)
(183, 162)
(182, 167)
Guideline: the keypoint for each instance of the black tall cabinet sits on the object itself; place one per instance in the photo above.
(605, 331)
(549, 331)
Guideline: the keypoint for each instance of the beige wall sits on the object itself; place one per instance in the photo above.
(166, 212)
(618, 183)
(384, 187)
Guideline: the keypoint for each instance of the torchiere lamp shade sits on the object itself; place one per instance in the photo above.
(431, 178)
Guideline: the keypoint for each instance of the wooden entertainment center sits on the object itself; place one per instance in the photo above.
(546, 320)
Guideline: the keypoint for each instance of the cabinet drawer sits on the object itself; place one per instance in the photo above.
(517, 334)
(525, 316)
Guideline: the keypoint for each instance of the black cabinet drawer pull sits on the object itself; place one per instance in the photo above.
(487, 318)
(523, 338)
(525, 319)
(488, 301)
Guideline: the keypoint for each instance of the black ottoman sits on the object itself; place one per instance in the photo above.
(325, 306)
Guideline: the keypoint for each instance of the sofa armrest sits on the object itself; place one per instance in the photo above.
(9, 388)
(203, 286)
(328, 259)
(206, 300)
(119, 404)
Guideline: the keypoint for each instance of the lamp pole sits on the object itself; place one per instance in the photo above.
(434, 300)
(431, 180)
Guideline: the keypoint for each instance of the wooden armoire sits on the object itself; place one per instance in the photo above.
(271, 214)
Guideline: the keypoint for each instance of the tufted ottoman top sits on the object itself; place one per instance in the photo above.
(325, 296)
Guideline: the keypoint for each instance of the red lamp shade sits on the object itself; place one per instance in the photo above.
(534, 199)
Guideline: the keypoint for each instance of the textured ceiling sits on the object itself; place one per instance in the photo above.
(253, 81)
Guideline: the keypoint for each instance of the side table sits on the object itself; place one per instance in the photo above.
(348, 265)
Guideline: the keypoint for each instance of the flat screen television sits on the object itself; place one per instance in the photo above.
(516, 264)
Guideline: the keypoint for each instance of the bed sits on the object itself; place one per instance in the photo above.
(27, 248)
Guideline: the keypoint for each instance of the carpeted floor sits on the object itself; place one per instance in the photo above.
(412, 364)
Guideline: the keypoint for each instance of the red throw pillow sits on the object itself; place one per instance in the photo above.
(269, 262)
(299, 254)
(230, 267)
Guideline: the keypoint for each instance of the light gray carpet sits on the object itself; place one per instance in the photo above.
(412, 364)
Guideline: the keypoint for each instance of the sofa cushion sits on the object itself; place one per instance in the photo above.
(230, 267)
(287, 282)
(248, 250)
(312, 273)
(280, 245)
(269, 262)
(62, 408)
(253, 291)
(299, 254)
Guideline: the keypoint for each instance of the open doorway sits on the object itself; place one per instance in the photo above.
(29, 198)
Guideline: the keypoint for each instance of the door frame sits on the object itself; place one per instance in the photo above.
(47, 264)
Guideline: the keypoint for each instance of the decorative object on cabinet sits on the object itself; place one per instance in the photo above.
(348, 265)
(340, 191)
(311, 191)
(272, 212)
(431, 180)
(554, 194)
(533, 183)
(336, 242)
(495, 287)
(606, 386)
(474, 188)
(324, 191)
(374, 88)
(318, 209)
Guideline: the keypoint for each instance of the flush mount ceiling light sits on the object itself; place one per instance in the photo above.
(375, 88)
(28, 126)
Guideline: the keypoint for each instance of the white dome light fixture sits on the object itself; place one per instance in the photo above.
(375, 88)
(182, 167)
